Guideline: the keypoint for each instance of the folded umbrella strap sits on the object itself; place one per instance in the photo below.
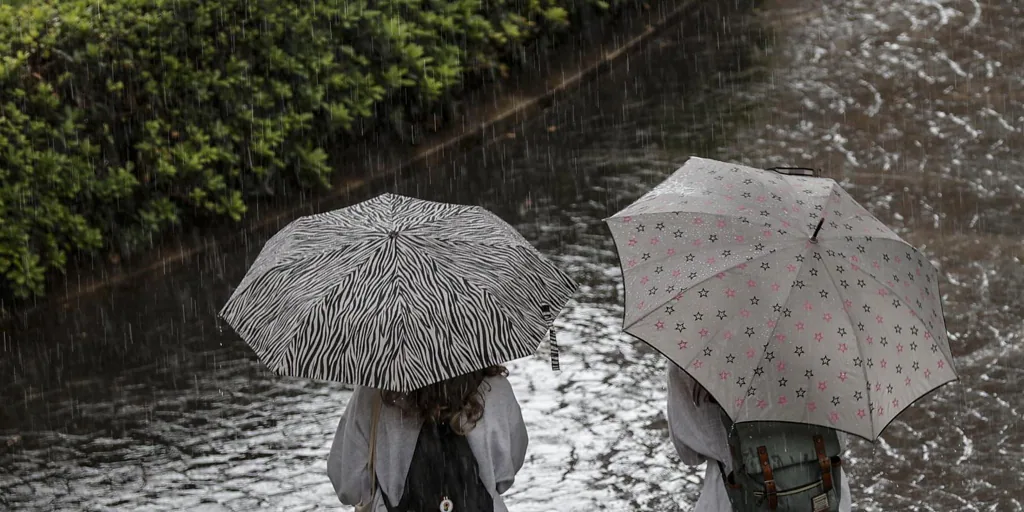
(552, 341)
(769, 478)
(554, 351)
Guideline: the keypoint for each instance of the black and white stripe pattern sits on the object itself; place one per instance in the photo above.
(396, 293)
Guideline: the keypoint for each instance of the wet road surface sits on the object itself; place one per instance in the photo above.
(135, 399)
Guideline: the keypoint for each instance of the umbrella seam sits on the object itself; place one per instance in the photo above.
(712, 339)
(784, 302)
(346, 245)
(795, 194)
(726, 216)
(506, 308)
(860, 348)
(292, 336)
(785, 243)
(894, 292)
(456, 212)
(697, 283)
(278, 263)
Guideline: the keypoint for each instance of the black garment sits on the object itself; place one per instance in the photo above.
(443, 468)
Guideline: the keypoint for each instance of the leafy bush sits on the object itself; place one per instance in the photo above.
(122, 119)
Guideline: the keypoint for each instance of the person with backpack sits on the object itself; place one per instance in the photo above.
(455, 445)
(785, 467)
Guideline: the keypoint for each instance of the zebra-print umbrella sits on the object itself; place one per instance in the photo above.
(396, 293)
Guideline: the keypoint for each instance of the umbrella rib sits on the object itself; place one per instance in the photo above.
(919, 318)
(275, 262)
(490, 245)
(860, 349)
(784, 244)
(686, 208)
(292, 337)
(455, 211)
(708, 278)
(785, 301)
(540, 258)
(483, 287)
(904, 246)
(796, 194)
(874, 238)
(725, 216)
(403, 344)
(918, 315)
(956, 378)
(322, 252)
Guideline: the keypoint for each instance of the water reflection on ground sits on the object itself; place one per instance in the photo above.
(135, 400)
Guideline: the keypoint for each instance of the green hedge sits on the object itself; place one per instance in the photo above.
(122, 119)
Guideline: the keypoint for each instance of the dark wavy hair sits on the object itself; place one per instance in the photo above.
(459, 401)
(700, 394)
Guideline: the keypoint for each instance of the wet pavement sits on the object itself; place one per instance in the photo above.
(135, 399)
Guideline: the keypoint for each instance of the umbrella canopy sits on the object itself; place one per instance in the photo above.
(725, 276)
(396, 293)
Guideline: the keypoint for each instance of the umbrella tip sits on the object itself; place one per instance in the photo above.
(393, 234)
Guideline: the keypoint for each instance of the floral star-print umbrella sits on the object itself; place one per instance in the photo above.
(782, 296)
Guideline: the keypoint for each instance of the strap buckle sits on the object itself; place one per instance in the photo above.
(770, 489)
(824, 462)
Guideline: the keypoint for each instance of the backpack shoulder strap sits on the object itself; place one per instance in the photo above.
(824, 462)
(728, 425)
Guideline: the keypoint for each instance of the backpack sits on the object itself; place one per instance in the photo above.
(783, 467)
(443, 475)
